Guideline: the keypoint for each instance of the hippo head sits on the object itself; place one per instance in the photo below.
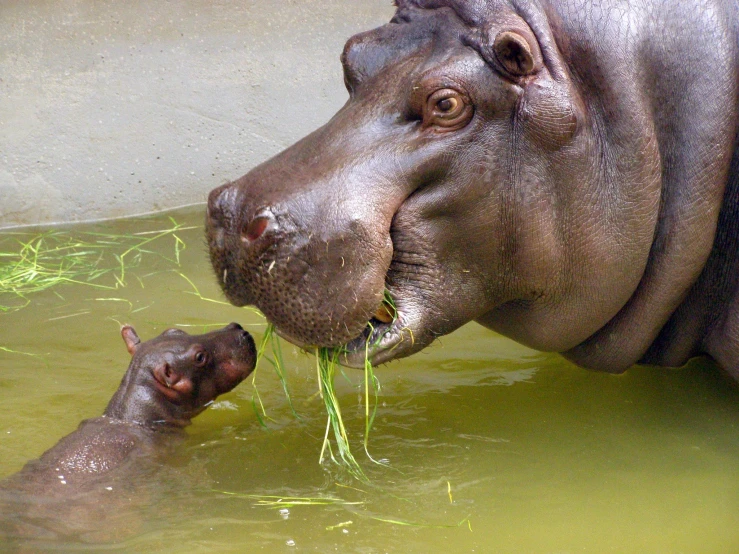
(175, 376)
(457, 177)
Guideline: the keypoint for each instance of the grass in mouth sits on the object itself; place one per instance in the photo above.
(327, 361)
(269, 339)
(44, 260)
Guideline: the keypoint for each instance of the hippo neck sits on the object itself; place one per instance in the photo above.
(697, 326)
(695, 134)
(138, 401)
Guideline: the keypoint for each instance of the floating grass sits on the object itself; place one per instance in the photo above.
(275, 501)
(44, 260)
(11, 351)
(278, 502)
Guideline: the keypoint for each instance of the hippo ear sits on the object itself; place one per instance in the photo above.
(518, 56)
(131, 339)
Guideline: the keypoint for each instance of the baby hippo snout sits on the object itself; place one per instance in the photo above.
(234, 356)
(176, 375)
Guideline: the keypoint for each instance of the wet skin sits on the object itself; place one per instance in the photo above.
(76, 485)
(562, 172)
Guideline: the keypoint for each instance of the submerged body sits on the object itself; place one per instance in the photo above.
(77, 487)
(563, 172)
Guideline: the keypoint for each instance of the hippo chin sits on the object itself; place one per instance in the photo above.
(562, 172)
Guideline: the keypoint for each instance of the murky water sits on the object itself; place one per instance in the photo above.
(492, 447)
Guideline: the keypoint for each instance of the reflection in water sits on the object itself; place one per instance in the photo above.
(492, 447)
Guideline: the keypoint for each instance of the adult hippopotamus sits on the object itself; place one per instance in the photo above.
(561, 171)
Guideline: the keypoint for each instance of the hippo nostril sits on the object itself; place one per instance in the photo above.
(257, 226)
(234, 326)
(218, 238)
(219, 215)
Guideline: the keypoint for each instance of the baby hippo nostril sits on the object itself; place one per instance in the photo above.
(257, 226)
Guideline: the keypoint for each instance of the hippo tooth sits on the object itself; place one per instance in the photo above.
(383, 314)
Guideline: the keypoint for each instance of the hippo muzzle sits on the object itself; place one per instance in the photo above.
(301, 266)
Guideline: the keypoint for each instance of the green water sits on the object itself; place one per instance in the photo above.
(492, 447)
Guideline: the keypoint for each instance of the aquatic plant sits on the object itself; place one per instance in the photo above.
(358, 508)
(39, 261)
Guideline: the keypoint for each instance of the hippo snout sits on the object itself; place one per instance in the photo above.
(223, 217)
(221, 201)
(283, 256)
(246, 340)
(242, 237)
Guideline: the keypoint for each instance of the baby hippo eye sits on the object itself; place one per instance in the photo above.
(200, 358)
(447, 110)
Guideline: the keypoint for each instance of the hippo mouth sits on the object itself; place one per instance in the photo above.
(378, 342)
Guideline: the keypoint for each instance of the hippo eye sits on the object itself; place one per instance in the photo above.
(447, 105)
(201, 358)
(446, 108)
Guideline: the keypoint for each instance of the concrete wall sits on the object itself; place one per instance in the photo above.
(112, 108)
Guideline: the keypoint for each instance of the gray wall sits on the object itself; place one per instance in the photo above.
(112, 108)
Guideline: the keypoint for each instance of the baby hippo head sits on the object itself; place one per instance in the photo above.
(173, 377)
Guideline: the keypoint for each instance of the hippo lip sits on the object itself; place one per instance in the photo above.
(380, 341)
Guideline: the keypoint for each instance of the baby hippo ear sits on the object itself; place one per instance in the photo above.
(131, 339)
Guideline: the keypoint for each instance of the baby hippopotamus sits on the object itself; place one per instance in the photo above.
(171, 379)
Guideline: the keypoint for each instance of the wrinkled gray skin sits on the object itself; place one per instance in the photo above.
(76, 486)
(564, 173)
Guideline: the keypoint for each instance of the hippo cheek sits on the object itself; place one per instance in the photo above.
(439, 277)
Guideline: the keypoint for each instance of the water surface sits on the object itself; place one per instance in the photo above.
(492, 447)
